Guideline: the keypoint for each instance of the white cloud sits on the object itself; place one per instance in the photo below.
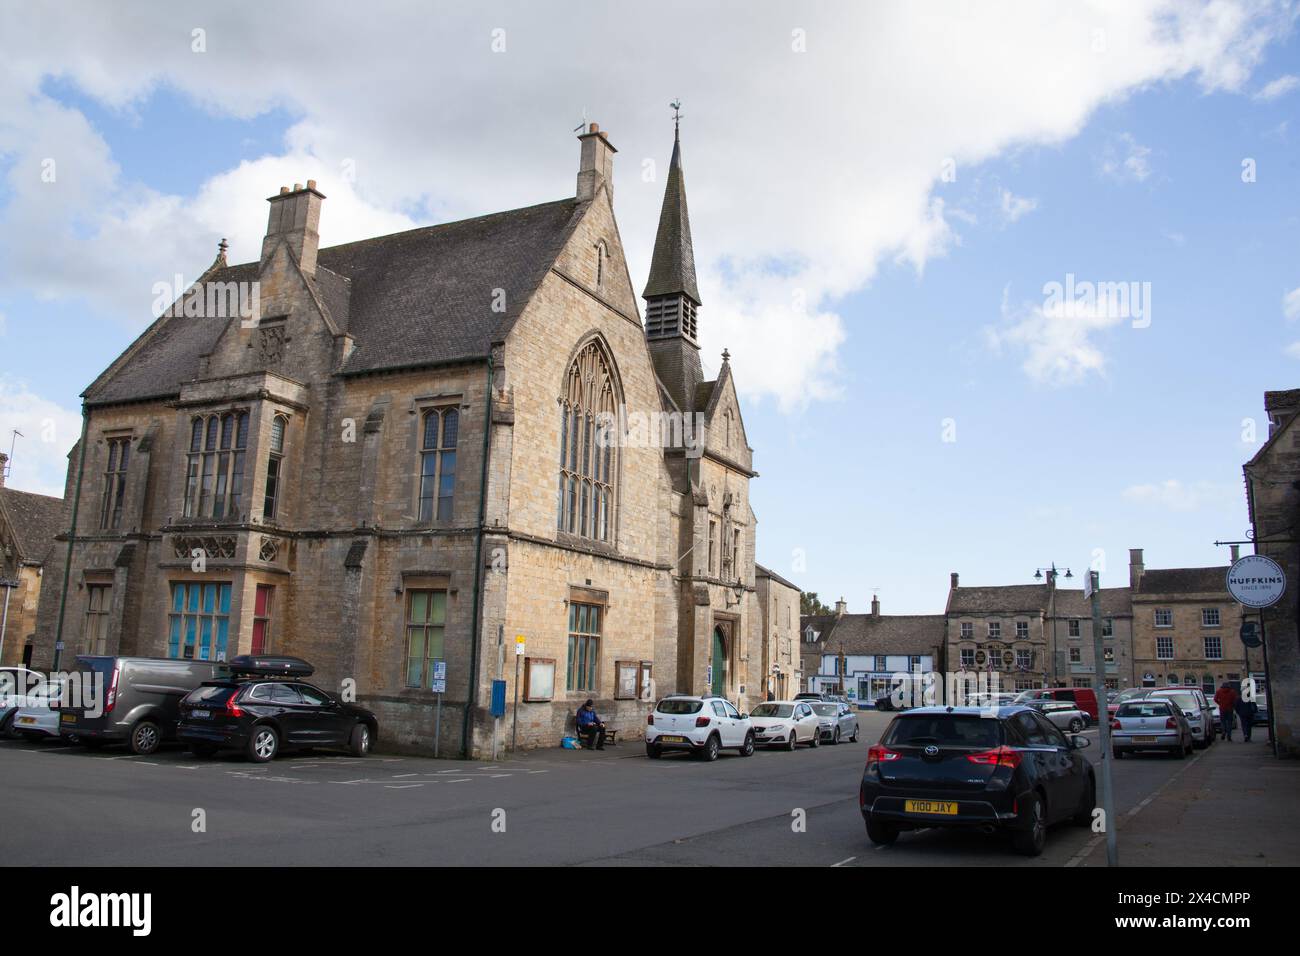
(1280, 87)
(1291, 305)
(1013, 206)
(1175, 495)
(49, 431)
(826, 187)
(1124, 159)
(1058, 339)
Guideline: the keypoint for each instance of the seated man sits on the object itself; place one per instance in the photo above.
(590, 728)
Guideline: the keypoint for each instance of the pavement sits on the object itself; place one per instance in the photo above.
(1235, 802)
(68, 806)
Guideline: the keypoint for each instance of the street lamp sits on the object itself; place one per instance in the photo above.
(1052, 572)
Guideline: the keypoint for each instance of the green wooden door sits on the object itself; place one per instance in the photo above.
(719, 687)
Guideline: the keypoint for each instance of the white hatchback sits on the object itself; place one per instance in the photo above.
(786, 723)
(701, 725)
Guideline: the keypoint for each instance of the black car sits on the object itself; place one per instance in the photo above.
(265, 706)
(967, 767)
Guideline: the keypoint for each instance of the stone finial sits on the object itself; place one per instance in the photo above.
(726, 356)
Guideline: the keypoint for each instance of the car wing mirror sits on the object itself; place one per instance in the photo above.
(1078, 742)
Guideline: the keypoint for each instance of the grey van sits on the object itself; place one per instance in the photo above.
(140, 700)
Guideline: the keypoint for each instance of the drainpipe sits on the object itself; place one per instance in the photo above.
(72, 535)
(467, 723)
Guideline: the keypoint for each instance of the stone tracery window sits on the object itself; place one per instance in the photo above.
(588, 459)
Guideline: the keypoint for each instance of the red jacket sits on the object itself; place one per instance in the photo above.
(1226, 698)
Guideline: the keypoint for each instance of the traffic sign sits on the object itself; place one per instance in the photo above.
(438, 677)
(519, 645)
(1256, 581)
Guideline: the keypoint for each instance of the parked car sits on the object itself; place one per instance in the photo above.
(787, 723)
(701, 725)
(38, 718)
(1063, 714)
(141, 700)
(265, 706)
(838, 722)
(1012, 771)
(1084, 697)
(1150, 723)
(990, 700)
(1195, 708)
(1128, 693)
(15, 683)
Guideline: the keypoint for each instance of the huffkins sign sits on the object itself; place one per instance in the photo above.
(1256, 581)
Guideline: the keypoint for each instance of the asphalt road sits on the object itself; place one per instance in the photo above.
(67, 806)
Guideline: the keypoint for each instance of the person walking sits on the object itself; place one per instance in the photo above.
(1246, 711)
(1227, 699)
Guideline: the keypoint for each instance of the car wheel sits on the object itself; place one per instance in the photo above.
(203, 751)
(1033, 838)
(793, 741)
(710, 751)
(7, 728)
(653, 752)
(145, 738)
(359, 745)
(836, 738)
(881, 834)
(1076, 725)
(1083, 816)
(816, 738)
(747, 748)
(263, 743)
(854, 738)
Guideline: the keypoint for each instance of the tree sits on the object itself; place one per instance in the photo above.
(809, 605)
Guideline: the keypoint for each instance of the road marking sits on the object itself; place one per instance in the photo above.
(362, 780)
(1125, 817)
(404, 786)
(399, 776)
(496, 776)
(842, 862)
(461, 780)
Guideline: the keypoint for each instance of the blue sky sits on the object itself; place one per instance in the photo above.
(1124, 178)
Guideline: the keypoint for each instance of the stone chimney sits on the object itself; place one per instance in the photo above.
(295, 219)
(1236, 553)
(4, 466)
(596, 165)
(953, 585)
(840, 608)
(1135, 568)
(875, 606)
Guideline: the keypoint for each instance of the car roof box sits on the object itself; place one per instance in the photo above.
(271, 666)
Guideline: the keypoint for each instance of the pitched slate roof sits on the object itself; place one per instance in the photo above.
(768, 573)
(1115, 602)
(415, 298)
(672, 266)
(1008, 598)
(886, 634)
(34, 519)
(1183, 581)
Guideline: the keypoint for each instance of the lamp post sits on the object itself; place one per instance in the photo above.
(1052, 571)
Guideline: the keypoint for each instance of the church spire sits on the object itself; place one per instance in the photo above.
(671, 293)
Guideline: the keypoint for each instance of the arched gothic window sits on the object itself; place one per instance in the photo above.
(588, 456)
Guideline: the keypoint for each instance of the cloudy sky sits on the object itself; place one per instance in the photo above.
(890, 203)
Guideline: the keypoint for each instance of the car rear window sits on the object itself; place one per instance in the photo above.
(826, 710)
(772, 710)
(210, 695)
(679, 706)
(953, 730)
(1185, 701)
(1143, 708)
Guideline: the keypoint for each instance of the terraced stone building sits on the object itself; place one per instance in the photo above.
(430, 448)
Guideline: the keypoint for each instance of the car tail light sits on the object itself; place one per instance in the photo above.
(111, 700)
(1171, 724)
(881, 754)
(702, 721)
(1116, 725)
(1003, 756)
(233, 709)
(650, 720)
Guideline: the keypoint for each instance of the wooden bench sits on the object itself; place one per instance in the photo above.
(611, 735)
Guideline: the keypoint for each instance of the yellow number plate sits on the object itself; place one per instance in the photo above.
(69, 718)
(930, 806)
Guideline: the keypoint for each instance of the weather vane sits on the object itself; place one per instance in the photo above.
(677, 113)
(582, 127)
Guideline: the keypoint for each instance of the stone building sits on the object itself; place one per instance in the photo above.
(428, 449)
(1070, 634)
(1186, 627)
(1273, 497)
(779, 671)
(1000, 630)
(28, 524)
(860, 655)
